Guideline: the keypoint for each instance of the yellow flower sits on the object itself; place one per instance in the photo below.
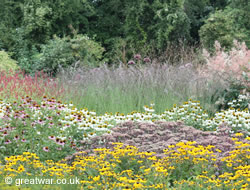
(137, 185)
(244, 185)
(21, 168)
(147, 170)
(218, 150)
(171, 146)
(161, 169)
(235, 139)
(238, 134)
(96, 178)
(171, 168)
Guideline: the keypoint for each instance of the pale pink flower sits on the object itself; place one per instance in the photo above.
(131, 62)
(229, 65)
(146, 60)
(7, 141)
(52, 137)
(137, 56)
(46, 149)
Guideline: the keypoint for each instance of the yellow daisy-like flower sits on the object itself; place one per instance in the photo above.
(238, 134)
(21, 169)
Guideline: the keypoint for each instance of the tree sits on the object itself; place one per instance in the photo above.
(226, 25)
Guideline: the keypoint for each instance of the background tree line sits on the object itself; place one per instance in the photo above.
(43, 34)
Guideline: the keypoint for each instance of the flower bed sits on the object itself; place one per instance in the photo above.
(38, 139)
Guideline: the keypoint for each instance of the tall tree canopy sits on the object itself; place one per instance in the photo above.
(120, 26)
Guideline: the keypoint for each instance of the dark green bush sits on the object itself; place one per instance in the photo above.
(63, 52)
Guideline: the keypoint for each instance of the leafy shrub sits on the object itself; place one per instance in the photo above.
(23, 50)
(6, 63)
(224, 26)
(56, 52)
(66, 51)
(86, 50)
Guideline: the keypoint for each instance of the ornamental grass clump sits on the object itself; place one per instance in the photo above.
(125, 89)
(232, 65)
(231, 68)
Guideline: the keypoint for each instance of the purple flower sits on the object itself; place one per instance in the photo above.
(44, 98)
(51, 107)
(137, 56)
(40, 121)
(131, 62)
(61, 142)
(7, 141)
(146, 60)
(5, 133)
(46, 149)
(51, 124)
(23, 140)
(52, 137)
(16, 137)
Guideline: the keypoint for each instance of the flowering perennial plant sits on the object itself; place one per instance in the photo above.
(234, 64)
(53, 129)
(14, 85)
(124, 167)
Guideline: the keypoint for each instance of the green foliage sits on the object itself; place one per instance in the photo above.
(36, 21)
(197, 11)
(70, 12)
(138, 24)
(63, 52)
(171, 21)
(235, 90)
(6, 40)
(40, 20)
(27, 25)
(228, 95)
(23, 51)
(225, 26)
(122, 27)
(56, 52)
(86, 50)
(6, 63)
